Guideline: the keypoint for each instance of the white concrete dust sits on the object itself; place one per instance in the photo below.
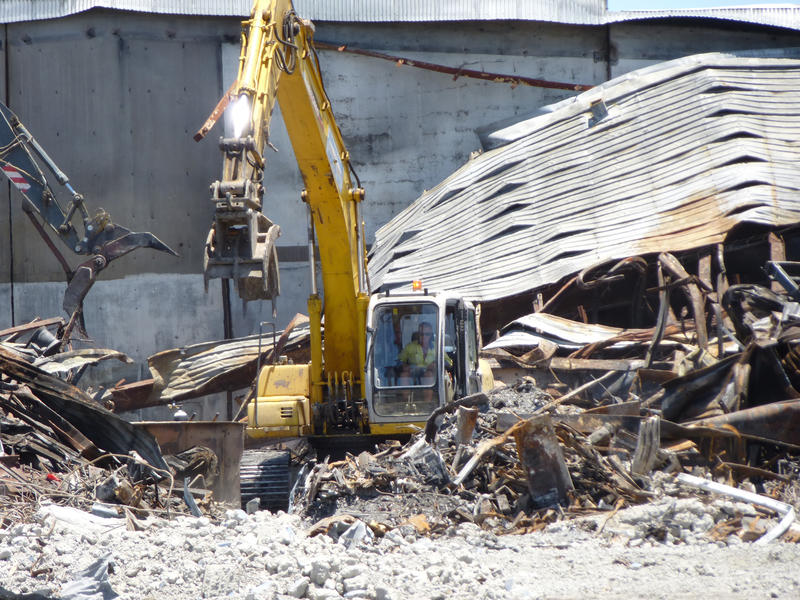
(268, 556)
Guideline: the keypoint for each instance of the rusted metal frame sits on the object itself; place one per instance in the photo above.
(42, 437)
(722, 276)
(134, 395)
(595, 364)
(626, 336)
(738, 376)
(694, 295)
(776, 423)
(750, 471)
(615, 473)
(583, 314)
(542, 460)
(473, 400)
(514, 80)
(615, 273)
(704, 268)
(38, 380)
(217, 112)
(777, 253)
(28, 210)
(723, 323)
(573, 393)
(57, 423)
(555, 296)
(484, 448)
(76, 315)
(661, 322)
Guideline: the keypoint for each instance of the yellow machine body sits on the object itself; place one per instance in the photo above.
(282, 406)
(332, 395)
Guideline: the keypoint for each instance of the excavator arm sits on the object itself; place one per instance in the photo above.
(44, 187)
(278, 62)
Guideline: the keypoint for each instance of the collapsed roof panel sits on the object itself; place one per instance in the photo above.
(667, 158)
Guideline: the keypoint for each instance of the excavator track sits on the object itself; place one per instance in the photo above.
(265, 474)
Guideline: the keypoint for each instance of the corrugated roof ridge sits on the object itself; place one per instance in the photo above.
(576, 12)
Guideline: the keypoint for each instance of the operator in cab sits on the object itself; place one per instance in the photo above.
(418, 357)
(419, 352)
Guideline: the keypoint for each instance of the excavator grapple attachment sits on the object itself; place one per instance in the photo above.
(111, 243)
(241, 247)
(50, 197)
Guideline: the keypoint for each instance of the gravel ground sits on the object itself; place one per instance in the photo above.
(268, 556)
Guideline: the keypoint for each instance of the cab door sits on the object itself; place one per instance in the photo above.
(474, 378)
(461, 345)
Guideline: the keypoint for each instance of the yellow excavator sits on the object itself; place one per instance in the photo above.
(387, 359)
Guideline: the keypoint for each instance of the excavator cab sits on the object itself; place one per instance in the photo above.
(422, 352)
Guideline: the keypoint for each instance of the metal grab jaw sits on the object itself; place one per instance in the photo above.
(108, 244)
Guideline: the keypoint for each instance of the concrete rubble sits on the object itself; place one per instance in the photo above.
(615, 459)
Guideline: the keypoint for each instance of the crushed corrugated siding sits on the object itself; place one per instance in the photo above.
(689, 148)
(574, 12)
(529, 331)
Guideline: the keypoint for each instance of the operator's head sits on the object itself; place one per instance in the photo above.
(425, 334)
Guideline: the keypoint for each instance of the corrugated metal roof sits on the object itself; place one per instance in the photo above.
(689, 148)
(15, 11)
(774, 15)
(587, 12)
(530, 330)
(575, 12)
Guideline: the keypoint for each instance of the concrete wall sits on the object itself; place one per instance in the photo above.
(116, 97)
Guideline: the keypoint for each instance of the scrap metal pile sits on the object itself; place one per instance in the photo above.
(491, 466)
(635, 220)
(591, 427)
(59, 443)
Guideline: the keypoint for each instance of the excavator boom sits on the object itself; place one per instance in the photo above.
(278, 63)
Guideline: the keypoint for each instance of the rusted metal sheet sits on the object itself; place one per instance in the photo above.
(75, 359)
(103, 428)
(224, 438)
(539, 328)
(778, 421)
(543, 462)
(133, 396)
(213, 367)
(36, 324)
(681, 153)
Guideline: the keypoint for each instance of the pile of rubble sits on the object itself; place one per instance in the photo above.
(673, 412)
(58, 443)
(487, 466)
(673, 415)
